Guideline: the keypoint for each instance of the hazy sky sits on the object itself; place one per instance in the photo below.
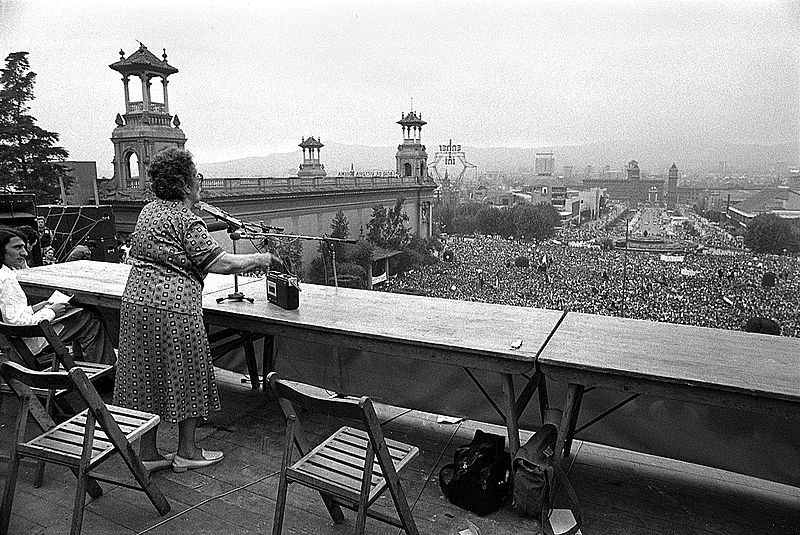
(256, 77)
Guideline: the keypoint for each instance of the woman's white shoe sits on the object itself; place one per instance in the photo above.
(179, 464)
(159, 464)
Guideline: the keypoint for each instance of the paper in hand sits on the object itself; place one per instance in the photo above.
(58, 297)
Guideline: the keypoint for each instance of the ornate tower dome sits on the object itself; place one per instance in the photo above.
(146, 127)
(412, 160)
(311, 166)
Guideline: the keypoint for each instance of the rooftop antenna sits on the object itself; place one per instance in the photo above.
(412, 103)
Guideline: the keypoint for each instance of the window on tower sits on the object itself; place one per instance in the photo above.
(407, 169)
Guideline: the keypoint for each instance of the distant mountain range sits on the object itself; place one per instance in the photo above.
(654, 157)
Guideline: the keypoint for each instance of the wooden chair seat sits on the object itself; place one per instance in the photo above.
(337, 465)
(350, 468)
(80, 443)
(66, 439)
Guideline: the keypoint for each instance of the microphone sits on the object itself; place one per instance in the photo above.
(221, 214)
(215, 226)
(268, 228)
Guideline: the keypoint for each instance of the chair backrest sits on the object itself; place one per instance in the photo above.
(16, 335)
(21, 380)
(351, 408)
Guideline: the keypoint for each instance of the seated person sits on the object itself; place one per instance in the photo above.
(31, 238)
(85, 327)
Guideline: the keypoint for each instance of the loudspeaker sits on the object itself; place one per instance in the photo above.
(768, 280)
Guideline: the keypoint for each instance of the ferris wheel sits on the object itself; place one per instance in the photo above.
(451, 156)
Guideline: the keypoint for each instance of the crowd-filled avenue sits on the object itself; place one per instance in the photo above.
(718, 285)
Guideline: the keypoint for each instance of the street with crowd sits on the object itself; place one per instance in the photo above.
(716, 283)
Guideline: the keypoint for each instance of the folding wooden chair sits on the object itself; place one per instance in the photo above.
(351, 468)
(77, 443)
(56, 354)
(53, 357)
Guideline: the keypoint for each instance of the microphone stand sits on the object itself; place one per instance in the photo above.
(332, 250)
(236, 295)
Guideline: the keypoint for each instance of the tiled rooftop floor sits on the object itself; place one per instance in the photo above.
(621, 492)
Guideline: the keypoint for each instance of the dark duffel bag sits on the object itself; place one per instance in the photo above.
(478, 479)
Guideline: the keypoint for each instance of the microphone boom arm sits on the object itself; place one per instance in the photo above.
(259, 230)
(279, 235)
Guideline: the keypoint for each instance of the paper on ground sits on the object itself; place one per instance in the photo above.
(58, 297)
(442, 419)
(562, 520)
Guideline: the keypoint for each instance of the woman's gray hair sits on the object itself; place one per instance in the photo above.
(171, 172)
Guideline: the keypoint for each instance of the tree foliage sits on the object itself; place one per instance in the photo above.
(521, 220)
(351, 260)
(443, 214)
(290, 251)
(387, 227)
(29, 159)
(768, 233)
(534, 221)
(340, 228)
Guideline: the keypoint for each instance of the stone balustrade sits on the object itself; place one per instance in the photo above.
(138, 107)
(321, 183)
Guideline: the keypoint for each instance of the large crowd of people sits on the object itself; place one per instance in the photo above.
(718, 286)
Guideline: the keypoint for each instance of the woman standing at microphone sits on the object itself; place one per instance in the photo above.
(164, 363)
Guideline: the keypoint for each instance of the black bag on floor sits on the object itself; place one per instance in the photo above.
(536, 479)
(478, 479)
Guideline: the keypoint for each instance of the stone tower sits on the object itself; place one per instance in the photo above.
(672, 187)
(146, 127)
(412, 160)
(311, 166)
(633, 170)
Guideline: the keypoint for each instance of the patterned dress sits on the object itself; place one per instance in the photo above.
(164, 363)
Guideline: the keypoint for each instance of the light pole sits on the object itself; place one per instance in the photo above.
(625, 267)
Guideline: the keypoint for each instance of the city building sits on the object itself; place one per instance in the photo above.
(84, 185)
(633, 170)
(633, 189)
(545, 163)
(793, 180)
(781, 201)
(672, 187)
